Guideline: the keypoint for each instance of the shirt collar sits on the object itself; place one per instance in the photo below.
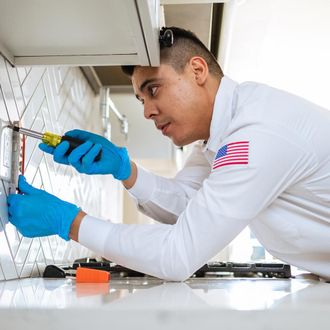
(222, 113)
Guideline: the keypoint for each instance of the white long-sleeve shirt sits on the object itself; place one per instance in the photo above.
(266, 165)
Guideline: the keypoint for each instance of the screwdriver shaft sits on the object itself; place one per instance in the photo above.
(28, 132)
(52, 139)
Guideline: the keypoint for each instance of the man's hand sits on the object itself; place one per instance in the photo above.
(37, 213)
(114, 160)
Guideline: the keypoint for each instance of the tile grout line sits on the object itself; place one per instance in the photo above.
(63, 81)
(22, 82)
(38, 110)
(34, 91)
(42, 250)
(29, 249)
(34, 120)
(48, 171)
(32, 155)
(4, 231)
(51, 251)
(3, 274)
(64, 101)
(47, 101)
(4, 102)
(11, 87)
(35, 260)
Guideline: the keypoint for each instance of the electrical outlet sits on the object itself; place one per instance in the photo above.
(6, 150)
(17, 161)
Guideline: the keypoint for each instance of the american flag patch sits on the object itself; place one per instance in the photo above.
(234, 153)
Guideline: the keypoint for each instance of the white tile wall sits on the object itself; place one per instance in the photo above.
(56, 99)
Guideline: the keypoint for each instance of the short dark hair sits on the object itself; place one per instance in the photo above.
(183, 46)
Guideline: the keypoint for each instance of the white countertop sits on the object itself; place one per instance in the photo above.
(230, 303)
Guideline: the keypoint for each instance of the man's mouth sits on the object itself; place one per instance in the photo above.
(163, 127)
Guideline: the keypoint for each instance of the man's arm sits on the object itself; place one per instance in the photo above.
(154, 195)
(228, 201)
(162, 202)
(164, 199)
(74, 229)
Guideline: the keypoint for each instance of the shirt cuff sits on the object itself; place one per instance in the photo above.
(93, 233)
(144, 186)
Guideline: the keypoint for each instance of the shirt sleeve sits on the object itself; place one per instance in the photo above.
(228, 200)
(164, 199)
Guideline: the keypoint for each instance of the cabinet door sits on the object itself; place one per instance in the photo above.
(79, 32)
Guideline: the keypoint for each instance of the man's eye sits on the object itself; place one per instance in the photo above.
(153, 90)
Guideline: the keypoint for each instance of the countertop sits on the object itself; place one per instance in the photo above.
(149, 303)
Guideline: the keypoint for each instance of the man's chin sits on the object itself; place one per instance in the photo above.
(179, 144)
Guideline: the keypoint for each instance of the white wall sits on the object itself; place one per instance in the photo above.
(279, 42)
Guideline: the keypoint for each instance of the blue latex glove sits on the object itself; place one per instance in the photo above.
(37, 213)
(114, 160)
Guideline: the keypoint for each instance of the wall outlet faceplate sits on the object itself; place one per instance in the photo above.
(6, 145)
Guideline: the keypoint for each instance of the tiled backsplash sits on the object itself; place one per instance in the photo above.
(55, 99)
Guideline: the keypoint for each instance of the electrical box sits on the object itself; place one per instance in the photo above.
(11, 155)
(6, 145)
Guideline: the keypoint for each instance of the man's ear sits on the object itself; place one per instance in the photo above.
(199, 68)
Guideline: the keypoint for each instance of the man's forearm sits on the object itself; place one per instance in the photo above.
(129, 183)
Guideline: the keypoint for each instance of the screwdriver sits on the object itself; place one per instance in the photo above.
(53, 140)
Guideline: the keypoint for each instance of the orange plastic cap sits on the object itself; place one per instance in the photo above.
(87, 275)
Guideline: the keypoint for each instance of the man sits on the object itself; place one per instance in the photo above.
(261, 159)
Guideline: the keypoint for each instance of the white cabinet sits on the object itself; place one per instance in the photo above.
(79, 32)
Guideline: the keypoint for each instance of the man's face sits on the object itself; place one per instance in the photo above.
(174, 101)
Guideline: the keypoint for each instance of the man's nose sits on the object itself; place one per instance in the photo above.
(150, 110)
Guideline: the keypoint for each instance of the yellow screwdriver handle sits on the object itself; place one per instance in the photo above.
(51, 139)
(54, 140)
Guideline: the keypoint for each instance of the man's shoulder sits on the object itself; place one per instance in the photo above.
(253, 88)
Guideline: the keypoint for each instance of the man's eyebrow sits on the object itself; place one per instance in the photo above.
(146, 82)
